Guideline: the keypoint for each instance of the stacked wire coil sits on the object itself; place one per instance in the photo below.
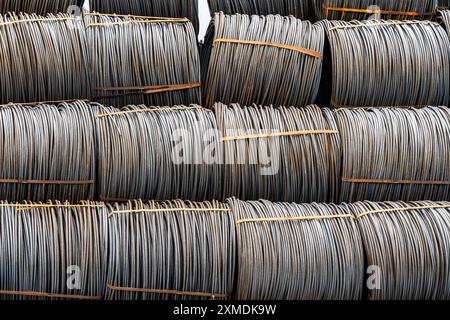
(40, 7)
(280, 154)
(297, 252)
(387, 63)
(52, 251)
(43, 58)
(395, 154)
(158, 153)
(236, 48)
(48, 152)
(138, 60)
(407, 247)
(375, 9)
(155, 8)
(298, 8)
(174, 250)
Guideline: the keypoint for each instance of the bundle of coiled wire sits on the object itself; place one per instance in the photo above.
(155, 8)
(408, 247)
(387, 63)
(171, 250)
(263, 60)
(279, 154)
(43, 58)
(158, 153)
(47, 152)
(444, 19)
(375, 9)
(297, 252)
(443, 4)
(53, 250)
(395, 154)
(138, 60)
(298, 8)
(41, 7)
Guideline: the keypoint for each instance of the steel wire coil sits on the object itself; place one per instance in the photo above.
(386, 63)
(158, 153)
(41, 245)
(317, 259)
(40, 7)
(375, 9)
(192, 253)
(444, 4)
(48, 152)
(298, 8)
(395, 154)
(409, 248)
(143, 61)
(281, 65)
(156, 8)
(444, 19)
(43, 58)
(297, 167)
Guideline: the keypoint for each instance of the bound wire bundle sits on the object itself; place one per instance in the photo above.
(42, 58)
(280, 154)
(40, 7)
(156, 8)
(47, 152)
(387, 63)
(158, 153)
(444, 19)
(297, 252)
(236, 48)
(171, 250)
(138, 60)
(408, 246)
(375, 9)
(53, 251)
(443, 4)
(298, 8)
(395, 154)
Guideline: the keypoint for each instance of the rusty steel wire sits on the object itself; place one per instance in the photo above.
(386, 63)
(301, 9)
(43, 58)
(155, 8)
(318, 258)
(298, 167)
(407, 250)
(395, 154)
(374, 9)
(52, 251)
(40, 7)
(158, 153)
(137, 60)
(164, 247)
(270, 60)
(48, 152)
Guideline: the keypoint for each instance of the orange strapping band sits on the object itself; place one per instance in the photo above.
(309, 52)
(54, 182)
(48, 295)
(305, 218)
(279, 134)
(130, 16)
(11, 104)
(391, 12)
(146, 89)
(359, 216)
(348, 180)
(377, 24)
(175, 292)
(149, 110)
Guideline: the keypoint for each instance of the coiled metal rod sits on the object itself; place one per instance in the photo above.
(48, 152)
(44, 58)
(40, 7)
(156, 8)
(386, 63)
(137, 60)
(263, 60)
